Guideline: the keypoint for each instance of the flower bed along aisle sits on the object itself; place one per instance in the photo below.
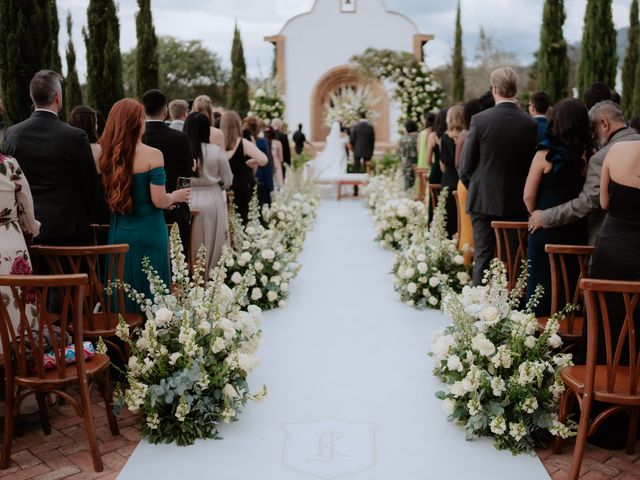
(501, 369)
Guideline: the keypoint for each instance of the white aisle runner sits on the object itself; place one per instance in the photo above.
(351, 393)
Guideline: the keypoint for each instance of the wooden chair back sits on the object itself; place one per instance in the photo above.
(459, 228)
(229, 214)
(24, 344)
(613, 310)
(434, 191)
(102, 264)
(565, 262)
(421, 180)
(511, 246)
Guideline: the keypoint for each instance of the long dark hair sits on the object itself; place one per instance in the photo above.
(85, 118)
(440, 126)
(197, 128)
(570, 125)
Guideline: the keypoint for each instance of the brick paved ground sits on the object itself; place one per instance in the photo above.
(64, 454)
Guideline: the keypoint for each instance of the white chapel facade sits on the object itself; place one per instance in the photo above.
(313, 52)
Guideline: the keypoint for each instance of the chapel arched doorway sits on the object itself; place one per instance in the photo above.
(341, 77)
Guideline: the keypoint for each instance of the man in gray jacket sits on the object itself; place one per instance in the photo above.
(609, 128)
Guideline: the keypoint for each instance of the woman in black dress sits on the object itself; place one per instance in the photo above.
(244, 159)
(455, 124)
(556, 176)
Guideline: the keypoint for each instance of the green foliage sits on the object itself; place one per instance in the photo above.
(72, 88)
(186, 69)
(239, 88)
(28, 43)
(458, 62)
(104, 62)
(598, 57)
(386, 164)
(629, 84)
(147, 75)
(553, 62)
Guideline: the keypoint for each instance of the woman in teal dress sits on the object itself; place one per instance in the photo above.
(133, 177)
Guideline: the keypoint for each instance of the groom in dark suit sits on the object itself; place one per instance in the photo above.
(57, 161)
(178, 160)
(494, 166)
(363, 141)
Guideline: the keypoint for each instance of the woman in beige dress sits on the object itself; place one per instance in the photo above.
(213, 176)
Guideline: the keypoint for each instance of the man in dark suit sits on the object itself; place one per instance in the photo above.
(284, 139)
(363, 140)
(539, 104)
(57, 161)
(495, 162)
(178, 160)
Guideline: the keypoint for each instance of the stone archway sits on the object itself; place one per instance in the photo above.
(332, 80)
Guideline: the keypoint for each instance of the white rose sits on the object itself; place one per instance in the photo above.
(422, 267)
(272, 296)
(163, 316)
(457, 390)
(448, 406)
(277, 266)
(434, 282)
(433, 301)
(268, 254)
(258, 266)
(530, 341)
(483, 345)
(490, 315)
(256, 294)
(458, 259)
(454, 363)
(412, 288)
(463, 278)
(555, 341)
(284, 286)
(236, 277)
(245, 257)
(409, 272)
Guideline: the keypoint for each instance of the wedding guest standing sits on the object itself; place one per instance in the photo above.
(18, 226)
(429, 120)
(494, 165)
(213, 177)
(85, 118)
(282, 137)
(609, 128)
(203, 104)
(178, 159)
(57, 160)
(555, 177)
(455, 124)
(264, 175)
(299, 139)
(134, 183)
(276, 154)
(408, 152)
(244, 158)
(433, 147)
(178, 111)
(539, 104)
(595, 93)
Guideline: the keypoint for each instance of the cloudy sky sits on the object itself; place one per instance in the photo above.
(514, 24)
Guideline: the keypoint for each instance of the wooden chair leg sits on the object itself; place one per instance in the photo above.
(632, 433)
(581, 439)
(44, 414)
(107, 394)
(90, 428)
(562, 417)
(9, 419)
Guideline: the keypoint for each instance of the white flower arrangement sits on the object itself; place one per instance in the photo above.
(501, 368)
(265, 257)
(267, 103)
(431, 265)
(397, 220)
(196, 347)
(415, 87)
(345, 104)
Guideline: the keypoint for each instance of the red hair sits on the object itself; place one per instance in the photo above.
(119, 141)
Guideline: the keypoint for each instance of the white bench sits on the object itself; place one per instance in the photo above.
(352, 179)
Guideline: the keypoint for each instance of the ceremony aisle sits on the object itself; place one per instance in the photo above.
(350, 385)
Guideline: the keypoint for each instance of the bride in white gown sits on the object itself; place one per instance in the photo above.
(332, 161)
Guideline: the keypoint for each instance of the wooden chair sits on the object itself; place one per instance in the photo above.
(609, 382)
(101, 310)
(565, 259)
(23, 347)
(421, 180)
(434, 191)
(511, 246)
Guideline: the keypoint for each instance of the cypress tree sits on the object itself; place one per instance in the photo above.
(147, 76)
(553, 61)
(598, 57)
(239, 88)
(104, 62)
(55, 63)
(72, 89)
(629, 85)
(27, 45)
(458, 62)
